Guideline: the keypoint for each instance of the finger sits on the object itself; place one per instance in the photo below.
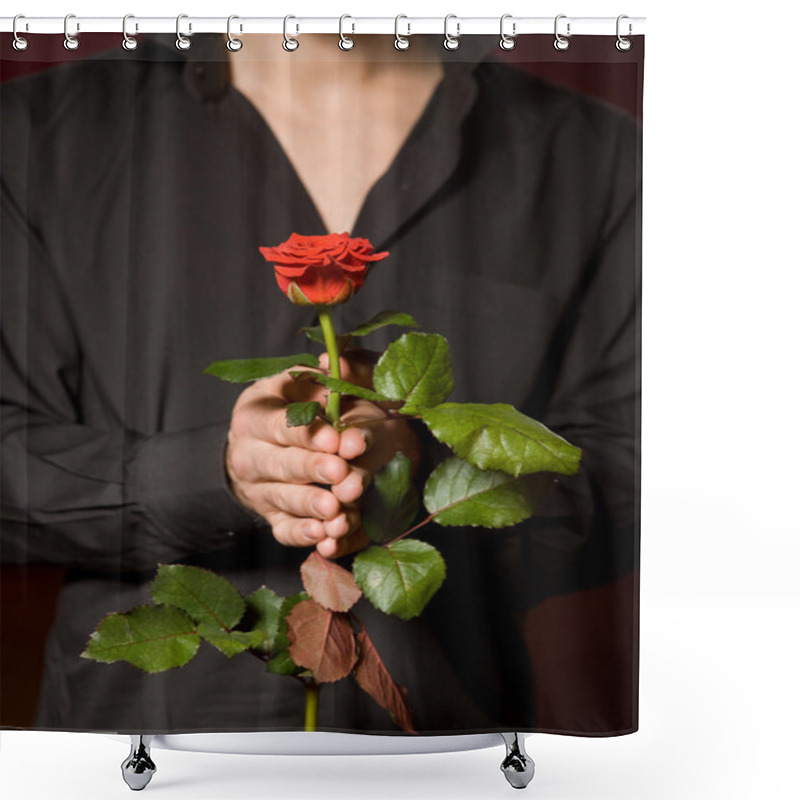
(335, 548)
(353, 486)
(382, 440)
(374, 460)
(270, 426)
(301, 501)
(295, 532)
(273, 463)
(368, 421)
(283, 388)
(356, 367)
(354, 442)
(342, 524)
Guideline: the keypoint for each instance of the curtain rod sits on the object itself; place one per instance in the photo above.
(349, 25)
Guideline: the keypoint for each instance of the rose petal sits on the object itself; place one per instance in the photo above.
(321, 270)
(292, 272)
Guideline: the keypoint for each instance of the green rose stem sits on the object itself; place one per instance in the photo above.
(326, 323)
(312, 703)
(312, 693)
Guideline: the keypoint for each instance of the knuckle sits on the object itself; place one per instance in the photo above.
(280, 531)
(240, 424)
(267, 386)
(317, 464)
(276, 428)
(281, 468)
(283, 498)
(275, 470)
(318, 505)
(239, 462)
(247, 497)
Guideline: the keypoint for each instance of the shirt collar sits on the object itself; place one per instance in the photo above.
(426, 161)
(206, 72)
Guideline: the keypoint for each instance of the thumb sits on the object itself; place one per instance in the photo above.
(353, 369)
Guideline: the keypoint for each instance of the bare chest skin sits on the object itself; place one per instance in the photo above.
(340, 127)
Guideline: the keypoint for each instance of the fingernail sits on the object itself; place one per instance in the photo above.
(318, 439)
(340, 524)
(328, 473)
(312, 532)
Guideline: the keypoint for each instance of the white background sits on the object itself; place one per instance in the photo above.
(720, 598)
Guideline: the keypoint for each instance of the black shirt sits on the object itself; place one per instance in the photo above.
(135, 193)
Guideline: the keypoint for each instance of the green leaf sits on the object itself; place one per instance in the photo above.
(230, 643)
(457, 493)
(299, 414)
(400, 578)
(416, 369)
(152, 638)
(205, 597)
(281, 662)
(383, 319)
(264, 615)
(391, 502)
(500, 437)
(337, 385)
(380, 320)
(314, 334)
(243, 370)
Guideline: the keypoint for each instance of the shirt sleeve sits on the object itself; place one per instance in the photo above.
(100, 498)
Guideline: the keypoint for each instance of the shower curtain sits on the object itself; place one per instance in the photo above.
(139, 190)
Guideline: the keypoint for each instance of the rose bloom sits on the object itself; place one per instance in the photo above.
(321, 270)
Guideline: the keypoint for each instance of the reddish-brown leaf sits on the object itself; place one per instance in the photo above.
(373, 677)
(322, 641)
(329, 584)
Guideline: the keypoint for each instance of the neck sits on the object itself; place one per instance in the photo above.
(318, 60)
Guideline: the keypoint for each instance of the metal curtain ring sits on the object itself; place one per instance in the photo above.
(181, 42)
(561, 43)
(451, 42)
(70, 42)
(233, 44)
(19, 42)
(345, 42)
(401, 42)
(507, 42)
(290, 44)
(623, 44)
(128, 42)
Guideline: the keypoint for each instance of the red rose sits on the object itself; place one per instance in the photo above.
(321, 270)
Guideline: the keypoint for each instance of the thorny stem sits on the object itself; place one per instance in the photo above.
(312, 692)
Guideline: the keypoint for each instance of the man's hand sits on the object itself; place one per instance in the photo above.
(281, 472)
